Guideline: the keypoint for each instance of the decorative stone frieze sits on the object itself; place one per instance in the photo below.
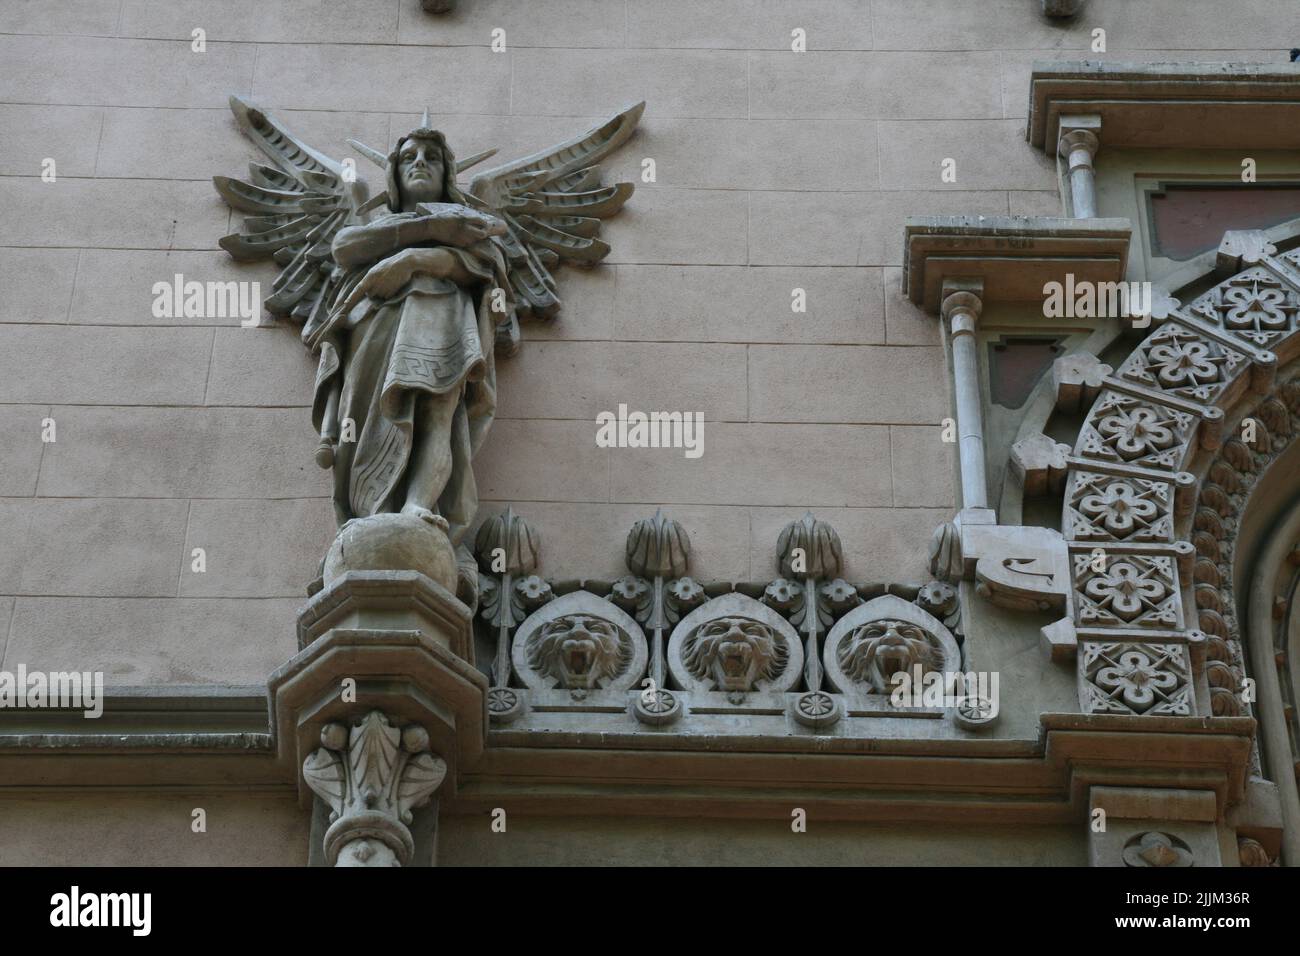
(734, 648)
(580, 650)
(880, 639)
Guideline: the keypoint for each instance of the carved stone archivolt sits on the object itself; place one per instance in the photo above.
(1141, 542)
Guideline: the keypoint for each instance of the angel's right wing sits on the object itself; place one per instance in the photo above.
(553, 204)
(296, 209)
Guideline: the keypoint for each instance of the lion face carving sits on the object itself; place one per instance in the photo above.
(580, 651)
(878, 650)
(735, 653)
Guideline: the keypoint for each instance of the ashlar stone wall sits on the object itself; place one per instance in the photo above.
(775, 170)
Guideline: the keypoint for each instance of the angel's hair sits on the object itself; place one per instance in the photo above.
(450, 191)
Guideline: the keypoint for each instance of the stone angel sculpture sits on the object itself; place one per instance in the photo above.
(407, 297)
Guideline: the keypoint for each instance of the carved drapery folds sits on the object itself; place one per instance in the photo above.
(372, 775)
(659, 646)
(1142, 541)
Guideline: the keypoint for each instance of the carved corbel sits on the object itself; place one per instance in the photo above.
(1040, 464)
(1077, 379)
(1153, 827)
(372, 776)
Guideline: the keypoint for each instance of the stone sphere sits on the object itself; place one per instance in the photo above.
(392, 542)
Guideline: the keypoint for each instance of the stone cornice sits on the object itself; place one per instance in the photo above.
(1013, 255)
(1179, 105)
(1039, 780)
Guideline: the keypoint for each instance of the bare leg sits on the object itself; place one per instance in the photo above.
(431, 461)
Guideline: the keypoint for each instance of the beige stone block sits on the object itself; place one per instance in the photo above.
(85, 17)
(848, 229)
(198, 144)
(136, 641)
(20, 437)
(846, 383)
(587, 299)
(686, 226)
(538, 23)
(589, 540)
(153, 829)
(261, 366)
(543, 461)
(905, 322)
(37, 284)
(761, 464)
(579, 380)
(880, 544)
(632, 840)
(256, 549)
(91, 365)
(686, 83)
(1205, 26)
(875, 86)
(183, 453)
(385, 78)
(986, 25)
(923, 465)
(116, 547)
(15, 523)
(753, 154)
(749, 304)
(749, 24)
(284, 21)
(67, 134)
(118, 213)
(986, 154)
(115, 286)
(1045, 202)
(98, 71)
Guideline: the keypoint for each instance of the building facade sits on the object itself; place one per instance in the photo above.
(862, 433)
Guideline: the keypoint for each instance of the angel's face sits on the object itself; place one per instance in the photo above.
(420, 172)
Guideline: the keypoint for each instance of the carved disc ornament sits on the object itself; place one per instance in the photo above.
(580, 643)
(736, 645)
(884, 637)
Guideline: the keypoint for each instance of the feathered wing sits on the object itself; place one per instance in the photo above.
(295, 209)
(553, 204)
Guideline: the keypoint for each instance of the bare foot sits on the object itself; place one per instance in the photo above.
(437, 520)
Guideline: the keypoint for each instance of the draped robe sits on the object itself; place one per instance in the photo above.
(435, 338)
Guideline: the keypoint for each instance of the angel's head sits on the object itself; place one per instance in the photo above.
(421, 168)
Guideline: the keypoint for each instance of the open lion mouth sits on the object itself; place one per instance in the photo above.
(734, 658)
(893, 657)
(579, 657)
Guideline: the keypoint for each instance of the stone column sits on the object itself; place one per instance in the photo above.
(961, 310)
(1078, 147)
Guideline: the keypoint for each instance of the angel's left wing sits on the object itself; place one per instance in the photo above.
(295, 210)
(553, 204)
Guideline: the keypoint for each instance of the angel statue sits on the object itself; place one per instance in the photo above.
(406, 297)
